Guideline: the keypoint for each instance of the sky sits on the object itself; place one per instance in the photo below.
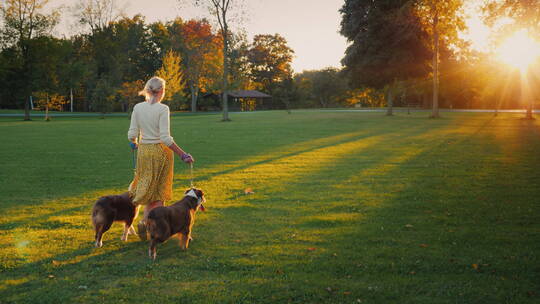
(309, 26)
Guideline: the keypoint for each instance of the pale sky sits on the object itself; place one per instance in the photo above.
(309, 26)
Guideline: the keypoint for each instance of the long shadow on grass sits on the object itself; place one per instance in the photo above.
(68, 270)
(123, 268)
(434, 238)
(179, 182)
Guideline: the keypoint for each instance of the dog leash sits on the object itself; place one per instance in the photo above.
(191, 173)
(134, 159)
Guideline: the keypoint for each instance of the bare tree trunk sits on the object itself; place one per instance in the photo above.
(390, 102)
(194, 93)
(225, 68)
(526, 96)
(71, 98)
(27, 109)
(435, 113)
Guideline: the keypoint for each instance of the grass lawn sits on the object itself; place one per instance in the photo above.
(347, 208)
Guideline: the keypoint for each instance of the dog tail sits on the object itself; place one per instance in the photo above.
(97, 216)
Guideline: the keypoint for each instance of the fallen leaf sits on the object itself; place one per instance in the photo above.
(328, 289)
(51, 276)
(312, 248)
(346, 292)
(279, 271)
(409, 226)
(412, 272)
(475, 266)
(424, 245)
(248, 191)
(358, 300)
(334, 254)
(83, 287)
(55, 263)
(237, 241)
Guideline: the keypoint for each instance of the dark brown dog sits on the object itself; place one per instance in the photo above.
(178, 218)
(113, 208)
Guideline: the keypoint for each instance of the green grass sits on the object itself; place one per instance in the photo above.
(347, 208)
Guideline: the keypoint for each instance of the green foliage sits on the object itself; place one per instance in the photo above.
(103, 96)
(322, 88)
(23, 21)
(269, 58)
(524, 14)
(387, 42)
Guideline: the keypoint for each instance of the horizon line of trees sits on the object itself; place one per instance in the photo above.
(401, 53)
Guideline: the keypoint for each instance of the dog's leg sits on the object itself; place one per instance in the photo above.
(99, 236)
(184, 241)
(131, 230)
(152, 250)
(126, 232)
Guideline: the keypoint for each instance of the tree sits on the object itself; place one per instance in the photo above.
(284, 92)
(130, 93)
(171, 72)
(103, 97)
(525, 15)
(48, 102)
(201, 54)
(387, 46)
(269, 60)
(442, 20)
(324, 88)
(220, 9)
(24, 21)
(96, 14)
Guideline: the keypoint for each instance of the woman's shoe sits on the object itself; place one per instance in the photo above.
(141, 230)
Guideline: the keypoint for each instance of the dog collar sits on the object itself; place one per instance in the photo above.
(194, 195)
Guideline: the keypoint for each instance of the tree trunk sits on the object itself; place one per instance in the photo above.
(390, 102)
(194, 94)
(435, 113)
(71, 98)
(225, 69)
(525, 93)
(27, 109)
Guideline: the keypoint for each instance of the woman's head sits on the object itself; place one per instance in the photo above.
(154, 90)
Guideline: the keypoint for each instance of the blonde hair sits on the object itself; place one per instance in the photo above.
(153, 87)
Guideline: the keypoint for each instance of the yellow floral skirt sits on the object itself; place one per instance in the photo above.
(153, 175)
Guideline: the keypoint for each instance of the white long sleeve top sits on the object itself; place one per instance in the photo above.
(152, 121)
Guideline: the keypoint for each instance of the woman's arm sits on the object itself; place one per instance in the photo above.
(165, 137)
(133, 132)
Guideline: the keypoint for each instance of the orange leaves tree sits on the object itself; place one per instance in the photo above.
(46, 101)
(269, 60)
(202, 57)
(221, 10)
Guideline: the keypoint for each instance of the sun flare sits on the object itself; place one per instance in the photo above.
(519, 50)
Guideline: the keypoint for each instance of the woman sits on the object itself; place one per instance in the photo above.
(152, 184)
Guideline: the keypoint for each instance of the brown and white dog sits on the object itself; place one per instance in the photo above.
(178, 218)
(113, 208)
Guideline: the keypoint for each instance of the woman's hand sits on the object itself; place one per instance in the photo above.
(133, 145)
(187, 158)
